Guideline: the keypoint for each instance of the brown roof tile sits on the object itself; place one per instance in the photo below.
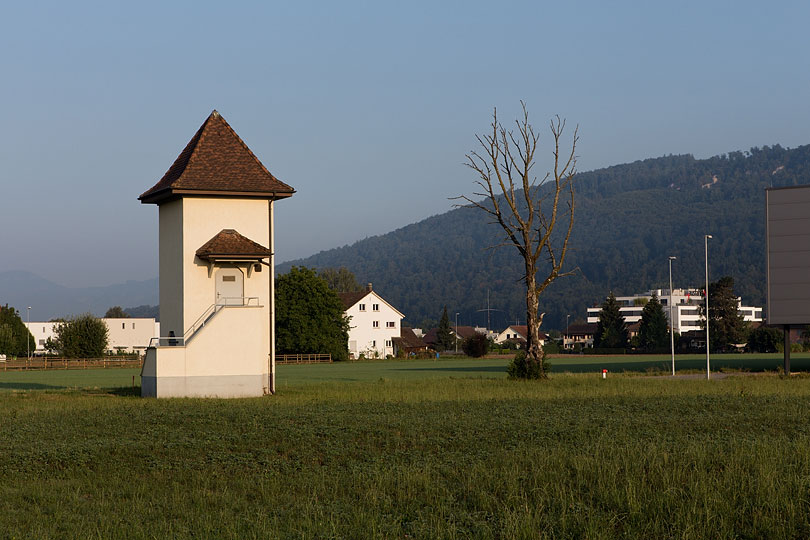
(407, 339)
(230, 244)
(216, 162)
(464, 332)
(581, 329)
(351, 298)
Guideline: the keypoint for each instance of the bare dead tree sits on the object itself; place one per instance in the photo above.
(528, 211)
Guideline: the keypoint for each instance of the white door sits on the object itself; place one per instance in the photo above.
(230, 287)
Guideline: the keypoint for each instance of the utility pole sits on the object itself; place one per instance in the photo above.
(27, 341)
(671, 320)
(488, 310)
(708, 368)
(456, 336)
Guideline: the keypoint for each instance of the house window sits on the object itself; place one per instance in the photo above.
(390, 324)
(362, 307)
(373, 343)
(375, 307)
(123, 326)
(133, 326)
(376, 324)
(388, 343)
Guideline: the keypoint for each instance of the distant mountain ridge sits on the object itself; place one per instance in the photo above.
(48, 300)
(629, 219)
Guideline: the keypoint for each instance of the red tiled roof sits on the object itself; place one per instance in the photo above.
(351, 298)
(431, 337)
(464, 332)
(216, 162)
(407, 339)
(230, 244)
(581, 329)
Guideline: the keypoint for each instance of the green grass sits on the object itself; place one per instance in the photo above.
(415, 369)
(413, 453)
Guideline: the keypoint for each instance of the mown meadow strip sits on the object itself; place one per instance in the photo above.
(575, 456)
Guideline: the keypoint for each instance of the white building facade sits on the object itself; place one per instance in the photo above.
(685, 308)
(373, 324)
(129, 335)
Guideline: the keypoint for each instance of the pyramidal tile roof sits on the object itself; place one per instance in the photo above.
(216, 162)
(229, 244)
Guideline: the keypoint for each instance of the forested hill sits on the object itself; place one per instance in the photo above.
(629, 219)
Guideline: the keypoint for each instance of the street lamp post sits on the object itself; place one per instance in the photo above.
(456, 340)
(27, 341)
(566, 330)
(706, 243)
(671, 320)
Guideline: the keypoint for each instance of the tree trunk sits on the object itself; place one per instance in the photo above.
(534, 352)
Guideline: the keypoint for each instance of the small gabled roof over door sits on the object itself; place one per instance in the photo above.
(230, 245)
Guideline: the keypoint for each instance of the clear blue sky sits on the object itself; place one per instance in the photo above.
(366, 108)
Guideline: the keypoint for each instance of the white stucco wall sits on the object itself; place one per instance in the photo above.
(229, 356)
(41, 332)
(219, 361)
(130, 335)
(364, 337)
(170, 251)
(202, 219)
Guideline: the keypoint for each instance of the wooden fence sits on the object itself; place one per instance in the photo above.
(41, 362)
(303, 359)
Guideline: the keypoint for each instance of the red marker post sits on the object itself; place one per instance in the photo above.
(604, 374)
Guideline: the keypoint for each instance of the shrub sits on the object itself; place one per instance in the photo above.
(83, 336)
(765, 339)
(552, 347)
(522, 368)
(475, 346)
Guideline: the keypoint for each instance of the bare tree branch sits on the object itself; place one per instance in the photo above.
(503, 164)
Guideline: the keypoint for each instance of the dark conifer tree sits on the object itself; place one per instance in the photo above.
(653, 333)
(726, 325)
(611, 330)
(444, 335)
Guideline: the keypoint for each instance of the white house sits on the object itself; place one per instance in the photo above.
(215, 209)
(373, 323)
(131, 335)
(517, 332)
(685, 308)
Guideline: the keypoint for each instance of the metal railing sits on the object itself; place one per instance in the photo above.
(208, 314)
(303, 358)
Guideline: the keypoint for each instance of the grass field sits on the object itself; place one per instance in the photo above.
(407, 450)
(416, 369)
